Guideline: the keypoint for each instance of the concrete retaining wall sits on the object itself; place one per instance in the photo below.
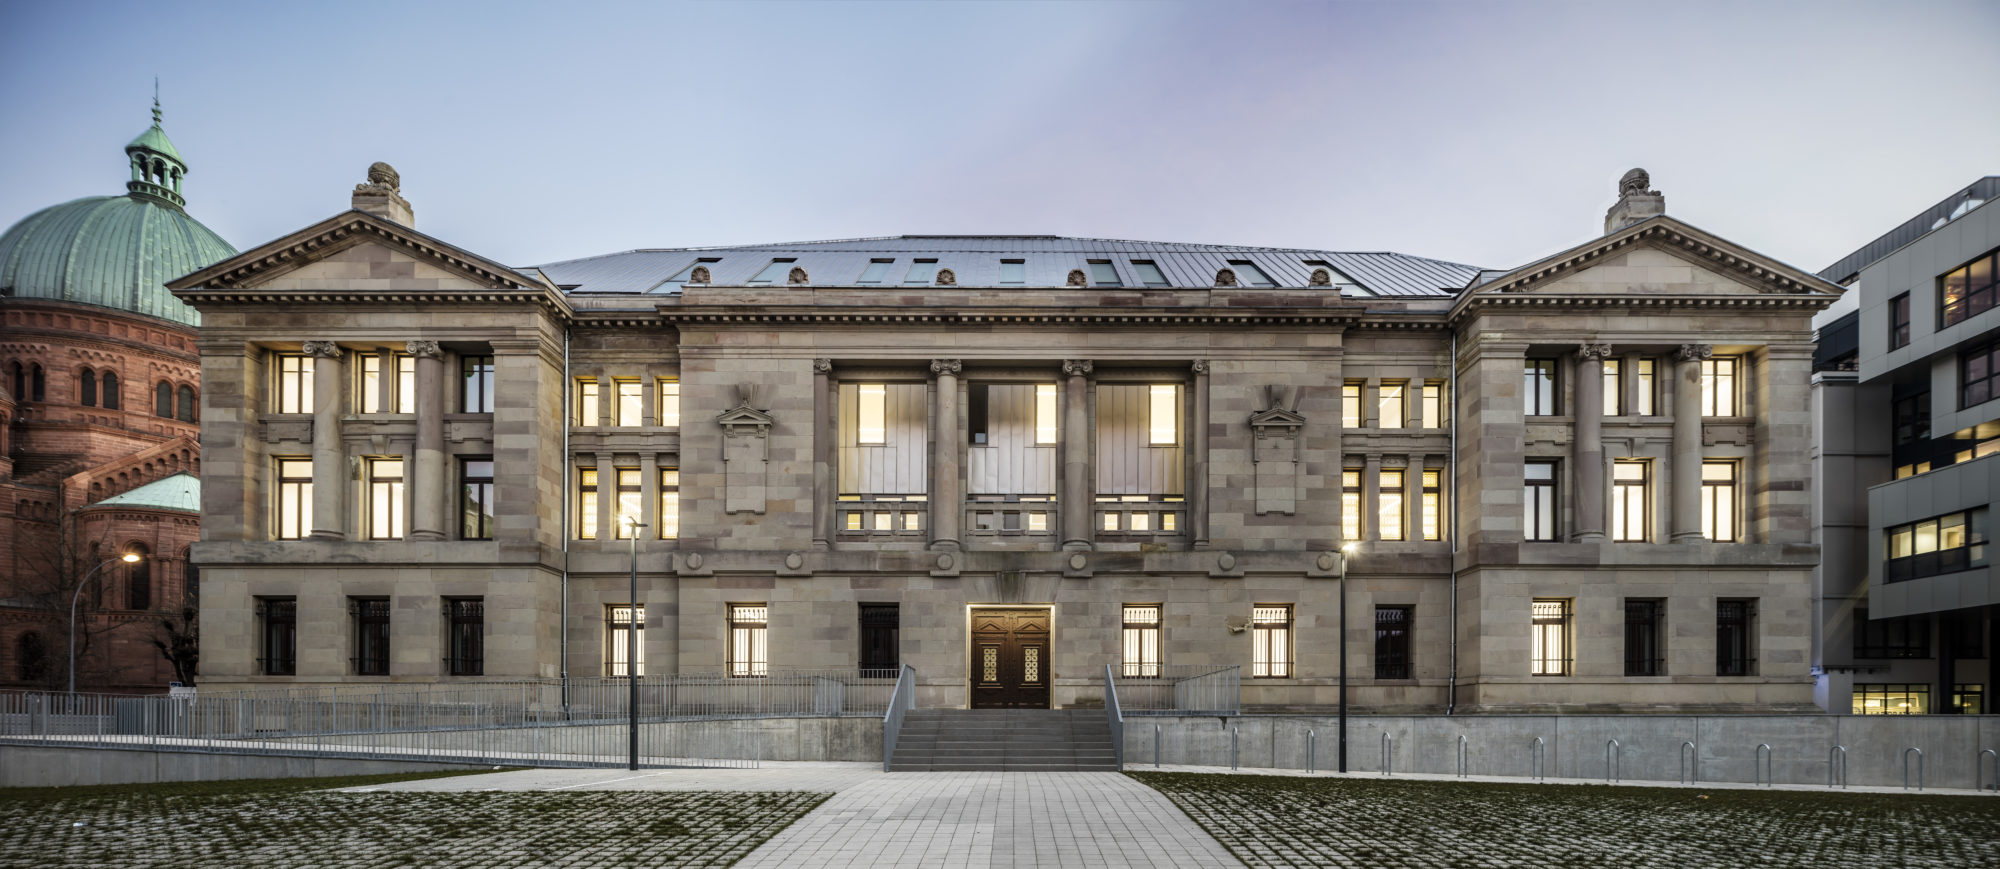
(63, 766)
(1575, 744)
(855, 739)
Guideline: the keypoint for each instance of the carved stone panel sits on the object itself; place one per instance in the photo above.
(746, 463)
(1275, 452)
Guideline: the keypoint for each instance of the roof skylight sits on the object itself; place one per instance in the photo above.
(682, 276)
(1149, 273)
(1013, 273)
(774, 271)
(1249, 274)
(877, 270)
(921, 272)
(1103, 275)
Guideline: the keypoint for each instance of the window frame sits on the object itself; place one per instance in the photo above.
(1541, 387)
(747, 650)
(1351, 394)
(1974, 298)
(1106, 276)
(370, 617)
(874, 272)
(1735, 637)
(628, 402)
(1150, 273)
(1977, 390)
(1899, 321)
(1393, 646)
(628, 501)
(1939, 559)
(1552, 618)
(589, 392)
(278, 631)
(1392, 404)
(1721, 387)
(1391, 504)
(619, 618)
(1645, 637)
(292, 390)
(587, 484)
(670, 504)
(1435, 413)
(1614, 387)
(476, 382)
(1142, 654)
(1431, 516)
(1628, 494)
(1646, 394)
(465, 636)
(475, 524)
(1541, 500)
(1351, 527)
(1893, 638)
(667, 402)
(1016, 276)
(386, 494)
(1167, 395)
(881, 651)
(1719, 503)
(1269, 637)
(295, 491)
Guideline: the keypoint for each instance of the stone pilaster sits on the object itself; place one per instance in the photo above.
(824, 433)
(1371, 498)
(1687, 442)
(1587, 449)
(1197, 488)
(1077, 482)
(947, 499)
(329, 461)
(427, 485)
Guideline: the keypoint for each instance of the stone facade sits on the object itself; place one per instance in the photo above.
(1262, 377)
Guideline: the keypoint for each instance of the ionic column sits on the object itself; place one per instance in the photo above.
(1587, 449)
(1197, 484)
(947, 502)
(823, 435)
(1687, 441)
(427, 489)
(1076, 484)
(329, 499)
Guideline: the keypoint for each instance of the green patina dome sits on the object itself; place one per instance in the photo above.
(116, 251)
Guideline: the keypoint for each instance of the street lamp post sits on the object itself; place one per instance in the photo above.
(1345, 551)
(632, 645)
(128, 558)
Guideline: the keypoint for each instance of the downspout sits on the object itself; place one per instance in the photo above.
(562, 533)
(1451, 390)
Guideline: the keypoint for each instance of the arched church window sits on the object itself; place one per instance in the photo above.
(87, 388)
(186, 408)
(163, 400)
(110, 391)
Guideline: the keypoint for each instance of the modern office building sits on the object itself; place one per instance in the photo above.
(1010, 461)
(1904, 391)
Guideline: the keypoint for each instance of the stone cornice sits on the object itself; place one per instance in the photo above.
(1113, 317)
(339, 233)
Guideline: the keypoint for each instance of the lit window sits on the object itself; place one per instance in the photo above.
(625, 640)
(1538, 500)
(586, 503)
(1249, 275)
(1271, 641)
(1350, 404)
(1643, 402)
(1389, 505)
(871, 416)
(1103, 275)
(406, 383)
(385, 499)
(1736, 638)
(1389, 404)
(670, 503)
(876, 272)
(1538, 389)
(295, 485)
(629, 503)
(1149, 273)
(1350, 505)
(1433, 505)
(1551, 652)
(586, 401)
(1629, 501)
(1614, 388)
(295, 384)
(1947, 544)
(921, 272)
(371, 384)
(1434, 407)
(749, 626)
(1718, 500)
(1013, 273)
(1718, 386)
(1891, 699)
(1969, 289)
(1142, 642)
(630, 408)
(475, 504)
(1164, 414)
(477, 372)
(1045, 413)
(776, 270)
(670, 402)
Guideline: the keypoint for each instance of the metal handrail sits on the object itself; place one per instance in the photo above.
(1979, 770)
(1312, 744)
(1178, 689)
(1388, 753)
(1906, 767)
(901, 700)
(1156, 746)
(1613, 774)
(1690, 760)
(1232, 748)
(1464, 760)
(1763, 758)
(1537, 759)
(1839, 751)
(1116, 719)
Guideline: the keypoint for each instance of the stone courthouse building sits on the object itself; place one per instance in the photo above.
(1010, 461)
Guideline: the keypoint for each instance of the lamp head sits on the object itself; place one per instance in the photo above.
(1350, 546)
(129, 558)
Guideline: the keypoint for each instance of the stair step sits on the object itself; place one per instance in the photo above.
(1005, 740)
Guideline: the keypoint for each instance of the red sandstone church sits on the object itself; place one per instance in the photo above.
(100, 391)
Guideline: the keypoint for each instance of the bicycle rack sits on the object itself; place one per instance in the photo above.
(1906, 767)
(1388, 752)
(1232, 748)
(1838, 751)
(1156, 746)
(1762, 760)
(1690, 761)
(1979, 770)
(1537, 757)
(1464, 766)
(1612, 773)
(1312, 742)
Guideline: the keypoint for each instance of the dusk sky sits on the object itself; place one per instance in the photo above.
(1485, 133)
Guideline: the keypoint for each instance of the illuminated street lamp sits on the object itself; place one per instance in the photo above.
(128, 558)
(1345, 550)
(632, 526)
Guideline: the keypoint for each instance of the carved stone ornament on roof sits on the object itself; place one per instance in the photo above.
(424, 349)
(947, 278)
(822, 365)
(1076, 278)
(1593, 352)
(1320, 278)
(1694, 352)
(321, 349)
(699, 275)
(1200, 366)
(1076, 367)
(1225, 278)
(382, 178)
(796, 277)
(946, 366)
(1635, 183)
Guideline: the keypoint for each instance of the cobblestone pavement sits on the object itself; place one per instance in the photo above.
(1298, 821)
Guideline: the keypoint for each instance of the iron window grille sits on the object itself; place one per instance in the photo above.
(371, 635)
(881, 643)
(619, 620)
(1735, 637)
(1141, 641)
(1551, 655)
(1271, 641)
(465, 636)
(1645, 650)
(749, 635)
(280, 616)
(1392, 642)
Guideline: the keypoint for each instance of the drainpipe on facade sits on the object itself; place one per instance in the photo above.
(562, 533)
(1451, 396)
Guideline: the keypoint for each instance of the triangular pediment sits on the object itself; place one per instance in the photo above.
(1654, 258)
(356, 250)
(744, 415)
(1276, 416)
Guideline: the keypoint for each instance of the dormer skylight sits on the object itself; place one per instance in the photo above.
(877, 270)
(1149, 273)
(774, 271)
(681, 277)
(1103, 275)
(921, 272)
(1013, 273)
(1249, 275)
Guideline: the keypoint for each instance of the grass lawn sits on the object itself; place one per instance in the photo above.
(1287, 821)
(296, 822)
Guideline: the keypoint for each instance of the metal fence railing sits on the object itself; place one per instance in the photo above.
(1178, 689)
(901, 700)
(1114, 714)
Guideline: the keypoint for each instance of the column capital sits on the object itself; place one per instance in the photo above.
(1076, 367)
(423, 349)
(946, 366)
(321, 349)
(822, 365)
(1199, 366)
(1593, 352)
(1694, 352)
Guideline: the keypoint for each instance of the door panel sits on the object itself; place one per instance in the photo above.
(1010, 659)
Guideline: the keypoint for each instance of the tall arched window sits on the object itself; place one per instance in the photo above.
(110, 391)
(86, 387)
(139, 579)
(40, 387)
(186, 409)
(163, 400)
(31, 657)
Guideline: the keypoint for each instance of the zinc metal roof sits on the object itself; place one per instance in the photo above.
(181, 492)
(110, 251)
(975, 261)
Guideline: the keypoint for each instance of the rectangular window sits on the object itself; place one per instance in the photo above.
(406, 383)
(631, 505)
(1350, 505)
(371, 635)
(1965, 633)
(1718, 501)
(465, 636)
(1630, 500)
(1389, 404)
(749, 626)
(1141, 642)
(624, 624)
(881, 639)
(385, 499)
(1614, 388)
(1645, 639)
(1551, 654)
(1912, 418)
(1899, 321)
(280, 649)
(629, 411)
(1979, 375)
(295, 498)
(921, 272)
(1163, 414)
(1045, 413)
(1392, 642)
(1431, 510)
(669, 410)
(978, 418)
(1538, 388)
(1350, 404)
(1718, 386)
(1891, 699)
(1969, 698)
(670, 503)
(876, 272)
(1103, 275)
(370, 386)
(1271, 641)
(1389, 505)
(1735, 637)
(1149, 273)
(775, 271)
(1013, 273)
(1538, 500)
(1644, 403)
(871, 413)
(586, 503)
(586, 401)
(1249, 274)
(1434, 407)
(477, 375)
(1967, 291)
(1946, 544)
(475, 500)
(295, 384)
(1904, 637)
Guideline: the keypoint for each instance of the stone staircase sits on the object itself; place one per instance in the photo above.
(1004, 740)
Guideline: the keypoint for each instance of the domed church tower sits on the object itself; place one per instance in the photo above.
(100, 391)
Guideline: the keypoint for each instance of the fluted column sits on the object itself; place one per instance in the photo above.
(329, 498)
(427, 488)
(1587, 449)
(1077, 482)
(1197, 484)
(824, 433)
(1687, 441)
(947, 502)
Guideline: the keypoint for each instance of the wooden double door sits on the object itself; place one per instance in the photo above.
(1010, 658)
